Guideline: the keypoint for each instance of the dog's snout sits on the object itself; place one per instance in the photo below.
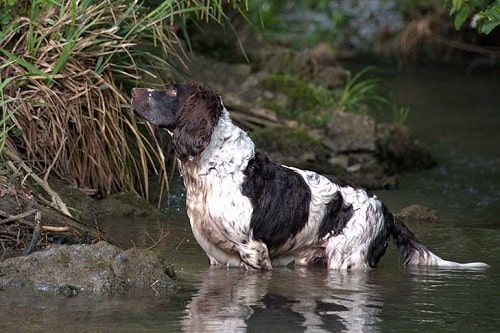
(135, 92)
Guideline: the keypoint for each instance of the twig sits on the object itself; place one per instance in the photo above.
(180, 243)
(490, 53)
(37, 231)
(163, 235)
(10, 218)
(97, 230)
(54, 229)
(57, 202)
(55, 159)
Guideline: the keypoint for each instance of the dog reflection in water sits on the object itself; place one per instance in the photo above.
(249, 301)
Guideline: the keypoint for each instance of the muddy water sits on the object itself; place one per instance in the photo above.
(458, 116)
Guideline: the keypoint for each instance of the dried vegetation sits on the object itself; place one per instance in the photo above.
(66, 71)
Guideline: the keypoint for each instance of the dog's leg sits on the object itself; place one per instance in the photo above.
(314, 255)
(255, 255)
(345, 253)
(213, 261)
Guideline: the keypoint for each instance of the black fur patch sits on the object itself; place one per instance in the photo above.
(342, 182)
(201, 110)
(406, 242)
(280, 199)
(336, 217)
(381, 241)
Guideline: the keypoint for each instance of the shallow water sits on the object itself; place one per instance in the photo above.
(458, 117)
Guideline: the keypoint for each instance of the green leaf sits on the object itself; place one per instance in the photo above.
(488, 27)
(455, 6)
(461, 16)
(30, 67)
(489, 19)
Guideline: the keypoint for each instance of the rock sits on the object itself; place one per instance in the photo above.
(400, 151)
(302, 149)
(418, 218)
(332, 77)
(125, 204)
(293, 147)
(100, 268)
(325, 69)
(417, 213)
(351, 132)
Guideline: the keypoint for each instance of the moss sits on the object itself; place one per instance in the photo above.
(305, 102)
(293, 147)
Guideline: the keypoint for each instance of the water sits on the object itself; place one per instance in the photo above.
(458, 117)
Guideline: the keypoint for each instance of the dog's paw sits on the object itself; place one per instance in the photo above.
(255, 255)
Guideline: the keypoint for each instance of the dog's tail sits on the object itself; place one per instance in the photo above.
(415, 253)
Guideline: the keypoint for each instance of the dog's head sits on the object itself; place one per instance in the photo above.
(190, 111)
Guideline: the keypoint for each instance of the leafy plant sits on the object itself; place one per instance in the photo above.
(360, 92)
(400, 113)
(486, 14)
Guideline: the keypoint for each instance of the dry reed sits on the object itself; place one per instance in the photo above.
(66, 73)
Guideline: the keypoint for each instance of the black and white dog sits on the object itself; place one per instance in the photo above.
(247, 211)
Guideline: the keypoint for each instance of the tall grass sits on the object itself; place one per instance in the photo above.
(67, 70)
(4, 127)
(361, 92)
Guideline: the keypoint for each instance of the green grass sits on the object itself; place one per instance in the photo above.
(361, 92)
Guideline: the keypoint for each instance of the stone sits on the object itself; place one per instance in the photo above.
(351, 132)
(101, 268)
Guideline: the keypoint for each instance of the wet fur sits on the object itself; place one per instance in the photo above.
(247, 211)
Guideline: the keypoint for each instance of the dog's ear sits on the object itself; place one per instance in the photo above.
(200, 113)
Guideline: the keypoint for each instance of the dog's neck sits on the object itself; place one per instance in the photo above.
(227, 154)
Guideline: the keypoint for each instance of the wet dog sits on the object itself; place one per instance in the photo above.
(246, 211)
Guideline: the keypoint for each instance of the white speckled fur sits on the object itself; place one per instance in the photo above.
(219, 213)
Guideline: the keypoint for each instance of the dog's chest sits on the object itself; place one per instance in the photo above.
(219, 214)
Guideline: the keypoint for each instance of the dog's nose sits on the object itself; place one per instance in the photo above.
(135, 92)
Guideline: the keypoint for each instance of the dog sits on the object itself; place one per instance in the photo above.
(246, 211)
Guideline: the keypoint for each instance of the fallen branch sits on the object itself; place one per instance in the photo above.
(57, 202)
(10, 218)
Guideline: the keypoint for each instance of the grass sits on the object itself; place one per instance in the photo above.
(66, 75)
(4, 126)
(314, 104)
(361, 92)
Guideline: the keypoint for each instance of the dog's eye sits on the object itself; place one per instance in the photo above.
(172, 92)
